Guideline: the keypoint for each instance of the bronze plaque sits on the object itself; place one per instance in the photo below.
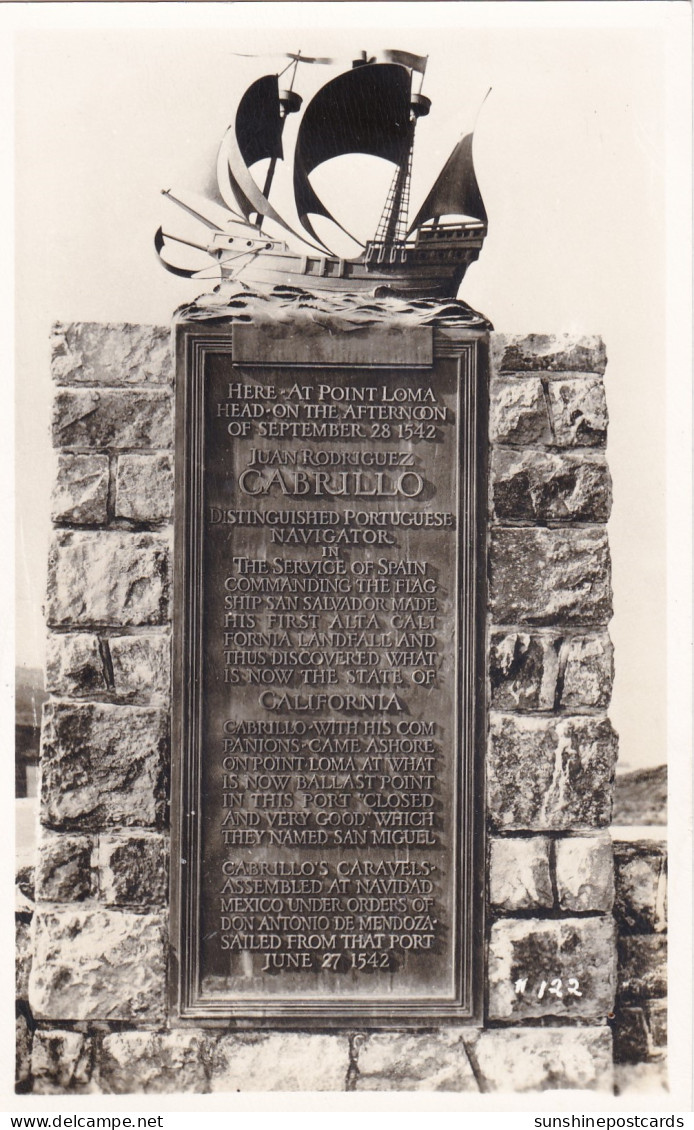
(329, 549)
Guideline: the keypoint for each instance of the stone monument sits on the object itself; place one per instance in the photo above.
(383, 734)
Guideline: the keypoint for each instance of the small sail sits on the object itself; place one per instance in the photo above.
(365, 110)
(405, 59)
(455, 191)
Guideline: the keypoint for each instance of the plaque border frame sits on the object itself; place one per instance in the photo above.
(193, 340)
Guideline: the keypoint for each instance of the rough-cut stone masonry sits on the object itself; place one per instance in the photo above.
(92, 991)
(641, 915)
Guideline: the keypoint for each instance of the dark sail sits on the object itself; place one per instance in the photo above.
(258, 121)
(365, 110)
(455, 191)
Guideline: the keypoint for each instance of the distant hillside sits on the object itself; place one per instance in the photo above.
(29, 696)
(641, 797)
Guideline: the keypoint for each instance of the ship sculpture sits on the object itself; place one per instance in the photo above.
(369, 109)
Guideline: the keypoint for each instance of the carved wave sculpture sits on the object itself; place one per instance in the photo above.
(348, 310)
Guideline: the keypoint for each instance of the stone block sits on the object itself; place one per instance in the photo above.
(518, 412)
(539, 967)
(23, 1042)
(96, 964)
(547, 774)
(103, 765)
(519, 874)
(656, 1019)
(80, 664)
(414, 1061)
(544, 486)
(280, 1061)
(642, 970)
(112, 578)
(543, 1059)
(112, 418)
(640, 1033)
(541, 576)
(523, 671)
(640, 886)
(74, 664)
(586, 672)
(22, 905)
(64, 867)
(80, 494)
(60, 1062)
(133, 869)
(578, 412)
(585, 872)
(141, 666)
(24, 886)
(537, 670)
(144, 487)
(23, 956)
(154, 1063)
(547, 352)
(97, 353)
(631, 1039)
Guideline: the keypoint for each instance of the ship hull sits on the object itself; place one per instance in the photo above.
(328, 273)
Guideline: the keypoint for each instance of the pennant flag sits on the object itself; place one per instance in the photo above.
(405, 59)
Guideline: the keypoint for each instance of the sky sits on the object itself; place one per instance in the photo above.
(578, 152)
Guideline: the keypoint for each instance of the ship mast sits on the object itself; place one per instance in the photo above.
(392, 226)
